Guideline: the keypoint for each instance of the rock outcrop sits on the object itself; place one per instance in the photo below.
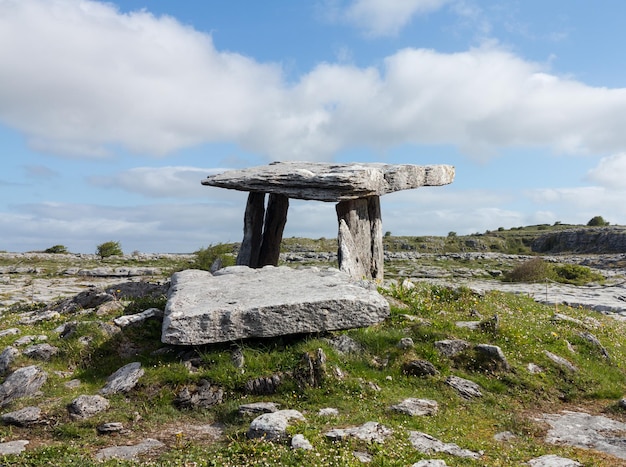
(598, 240)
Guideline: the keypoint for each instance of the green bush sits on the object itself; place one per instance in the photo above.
(106, 249)
(538, 270)
(576, 274)
(206, 257)
(597, 221)
(533, 270)
(58, 249)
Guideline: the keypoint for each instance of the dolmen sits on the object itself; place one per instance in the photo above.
(239, 302)
(356, 188)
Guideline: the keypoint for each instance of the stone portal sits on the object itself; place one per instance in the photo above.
(356, 188)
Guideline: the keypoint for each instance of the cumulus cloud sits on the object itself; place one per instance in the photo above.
(159, 182)
(152, 85)
(388, 17)
(610, 172)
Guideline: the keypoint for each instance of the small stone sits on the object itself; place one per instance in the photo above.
(13, 447)
(129, 452)
(23, 417)
(364, 457)
(273, 426)
(534, 369)
(6, 358)
(256, 408)
(9, 332)
(345, 345)
(551, 460)
(504, 436)
(491, 357)
(42, 352)
(428, 444)
(300, 442)
(263, 385)
(72, 384)
(416, 407)
(86, 406)
(473, 325)
(23, 382)
(467, 389)
(406, 343)
(420, 368)
(111, 427)
(124, 379)
(451, 347)
(328, 412)
(430, 463)
(561, 362)
(369, 431)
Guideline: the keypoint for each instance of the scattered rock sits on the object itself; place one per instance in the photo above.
(9, 332)
(124, 379)
(23, 417)
(364, 457)
(23, 382)
(504, 436)
(86, 406)
(451, 347)
(328, 412)
(129, 452)
(345, 344)
(593, 340)
(273, 426)
(561, 362)
(239, 302)
(405, 343)
(237, 357)
(467, 389)
(420, 368)
(25, 340)
(42, 352)
(416, 407)
(264, 385)
(491, 358)
(369, 431)
(428, 444)
(587, 431)
(34, 317)
(534, 369)
(300, 442)
(430, 463)
(473, 325)
(127, 320)
(13, 447)
(312, 369)
(111, 427)
(551, 460)
(6, 358)
(202, 396)
(256, 408)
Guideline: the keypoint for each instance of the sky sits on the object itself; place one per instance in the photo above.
(111, 113)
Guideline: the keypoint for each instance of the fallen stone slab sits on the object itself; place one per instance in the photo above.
(13, 447)
(23, 382)
(110, 427)
(561, 362)
(369, 431)
(256, 408)
(430, 463)
(129, 453)
(23, 417)
(587, 431)
(43, 352)
(551, 460)
(273, 426)
(466, 388)
(124, 379)
(126, 320)
(428, 444)
(238, 302)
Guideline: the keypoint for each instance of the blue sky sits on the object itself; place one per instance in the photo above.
(111, 113)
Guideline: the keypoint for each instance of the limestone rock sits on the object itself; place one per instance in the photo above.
(551, 460)
(430, 463)
(129, 452)
(561, 362)
(264, 385)
(42, 352)
(9, 332)
(6, 358)
(13, 447)
(467, 389)
(369, 431)
(428, 444)
(23, 382)
(420, 368)
(300, 442)
(273, 426)
(239, 302)
(344, 344)
(126, 320)
(23, 417)
(202, 396)
(86, 406)
(405, 343)
(255, 408)
(451, 347)
(332, 182)
(124, 379)
(491, 358)
(416, 407)
(110, 427)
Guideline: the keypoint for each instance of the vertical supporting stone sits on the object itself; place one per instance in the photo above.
(252, 230)
(360, 251)
(275, 220)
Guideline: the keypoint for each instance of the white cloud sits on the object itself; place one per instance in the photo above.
(388, 17)
(610, 172)
(154, 86)
(159, 182)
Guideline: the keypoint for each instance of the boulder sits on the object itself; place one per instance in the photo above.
(23, 382)
(451, 347)
(369, 432)
(6, 358)
(416, 407)
(13, 447)
(273, 426)
(42, 352)
(466, 389)
(240, 302)
(124, 379)
(428, 444)
(87, 406)
(129, 453)
(23, 417)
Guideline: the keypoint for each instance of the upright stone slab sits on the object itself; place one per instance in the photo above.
(240, 302)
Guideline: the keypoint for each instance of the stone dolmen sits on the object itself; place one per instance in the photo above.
(356, 188)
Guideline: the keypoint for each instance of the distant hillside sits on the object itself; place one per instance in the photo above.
(542, 239)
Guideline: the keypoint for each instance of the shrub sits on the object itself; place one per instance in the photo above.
(58, 249)
(597, 221)
(576, 274)
(206, 257)
(533, 270)
(106, 249)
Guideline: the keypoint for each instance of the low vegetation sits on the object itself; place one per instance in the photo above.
(371, 381)
(539, 270)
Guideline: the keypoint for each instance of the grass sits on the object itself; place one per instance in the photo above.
(373, 380)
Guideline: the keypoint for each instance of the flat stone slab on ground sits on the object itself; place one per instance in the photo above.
(129, 452)
(239, 302)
